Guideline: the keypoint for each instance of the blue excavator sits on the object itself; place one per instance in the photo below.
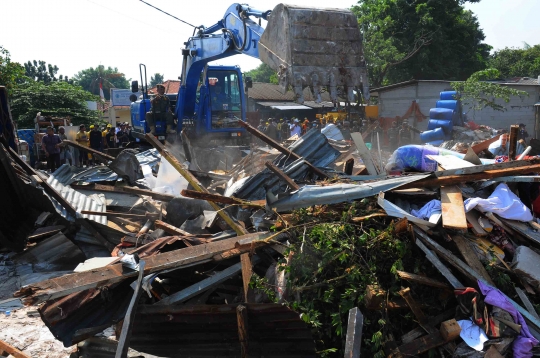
(307, 47)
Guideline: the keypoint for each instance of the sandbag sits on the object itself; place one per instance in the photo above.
(448, 95)
(432, 135)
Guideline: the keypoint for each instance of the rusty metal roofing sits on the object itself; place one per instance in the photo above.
(78, 200)
(313, 147)
(212, 331)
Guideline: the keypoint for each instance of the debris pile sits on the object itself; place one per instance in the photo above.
(318, 248)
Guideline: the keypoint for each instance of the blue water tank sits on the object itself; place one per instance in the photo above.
(446, 125)
(448, 95)
(441, 113)
(432, 135)
(450, 104)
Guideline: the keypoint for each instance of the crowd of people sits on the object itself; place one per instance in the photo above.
(282, 129)
(99, 138)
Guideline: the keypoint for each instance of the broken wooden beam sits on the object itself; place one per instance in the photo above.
(365, 154)
(150, 193)
(281, 148)
(422, 280)
(282, 176)
(194, 182)
(243, 330)
(12, 350)
(528, 305)
(512, 142)
(219, 198)
(486, 167)
(45, 231)
(353, 340)
(88, 149)
(189, 256)
(247, 272)
(480, 147)
(127, 326)
(170, 229)
(439, 265)
(122, 215)
(467, 252)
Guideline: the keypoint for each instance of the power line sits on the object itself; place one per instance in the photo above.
(187, 23)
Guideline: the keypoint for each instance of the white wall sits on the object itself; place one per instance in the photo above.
(396, 102)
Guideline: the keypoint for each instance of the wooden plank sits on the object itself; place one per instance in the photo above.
(88, 149)
(282, 176)
(202, 286)
(522, 228)
(416, 310)
(450, 162)
(512, 142)
(127, 326)
(45, 231)
(418, 332)
(170, 229)
(194, 182)
(247, 271)
(439, 265)
(281, 148)
(61, 286)
(220, 198)
(243, 330)
(365, 154)
(488, 167)
(122, 215)
(353, 340)
(528, 305)
(453, 210)
(480, 147)
(421, 345)
(422, 280)
(150, 193)
(12, 350)
(468, 254)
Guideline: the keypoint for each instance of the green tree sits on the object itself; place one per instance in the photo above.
(90, 79)
(40, 71)
(11, 73)
(57, 99)
(156, 79)
(478, 94)
(263, 73)
(420, 39)
(517, 62)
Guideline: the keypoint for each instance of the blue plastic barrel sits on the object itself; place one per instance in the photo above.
(441, 113)
(446, 125)
(448, 95)
(436, 143)
(450, 104)
(432, 135)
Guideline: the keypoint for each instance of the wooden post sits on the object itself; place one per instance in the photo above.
(88, 149)
(281, 148)
(353, 341)
(243, 329)
(512, 142)
(12, 350)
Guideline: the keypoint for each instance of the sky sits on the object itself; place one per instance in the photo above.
(78, 34)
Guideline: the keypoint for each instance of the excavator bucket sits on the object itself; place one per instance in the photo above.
(316, 48)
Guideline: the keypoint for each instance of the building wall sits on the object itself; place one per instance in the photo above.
(396, 102)
(118, 115)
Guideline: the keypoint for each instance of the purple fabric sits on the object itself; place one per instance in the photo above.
(429, 165)
(524, 342)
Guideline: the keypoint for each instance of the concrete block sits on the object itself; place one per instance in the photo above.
(527, 263)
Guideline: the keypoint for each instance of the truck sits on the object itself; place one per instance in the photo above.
(307, 47)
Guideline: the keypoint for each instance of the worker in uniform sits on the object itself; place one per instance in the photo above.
(271, 129)
(405, 134)
(82, 139)
(104, 135)
(279, 127)
(376, 130)
(305, 126)
(393, 133)
(160, 110)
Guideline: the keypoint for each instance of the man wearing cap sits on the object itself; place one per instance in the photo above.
(296, 129)
(160, 110)
(82, 139)
(122, 135)
(51, 146)
(104, 134)
(522, 134)
(405, 134)
(110, 138)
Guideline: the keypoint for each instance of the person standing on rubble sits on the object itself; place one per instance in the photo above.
(393, 133)
(279, 127)
(305, 126)
(160, 110)
(110, 138)
(96, 141)
(295, 128)
(122, 135)
(65, 150)
(285, 130)
(376, 130)
(82, 139)
(271, 129)
(405, 134)
(51, 146)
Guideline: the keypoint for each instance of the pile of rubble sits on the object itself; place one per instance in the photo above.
(319, 248)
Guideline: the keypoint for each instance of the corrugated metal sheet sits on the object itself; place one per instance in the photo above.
(212, 331)
(313, 147)
(271, 92)
(78, 200)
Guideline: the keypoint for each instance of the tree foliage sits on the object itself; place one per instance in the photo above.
(478, 94)
(90, 78)
(517, 62)
(11, 73)
(421, 39)
(263, 73)
(57, 99)
(156, 79)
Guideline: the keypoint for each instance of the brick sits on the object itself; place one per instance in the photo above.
(450, 330)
